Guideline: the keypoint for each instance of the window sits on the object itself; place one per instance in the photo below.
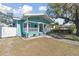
(14, 24)
(25, 25)
(44, 25)
(35, 25)
(41, 27)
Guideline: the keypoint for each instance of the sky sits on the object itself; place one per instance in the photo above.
(36, 7)
(20, 8)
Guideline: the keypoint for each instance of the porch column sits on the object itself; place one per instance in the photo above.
(27, 26)
(38, 27)
(43, 27)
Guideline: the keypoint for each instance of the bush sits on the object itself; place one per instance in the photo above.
(73, 28)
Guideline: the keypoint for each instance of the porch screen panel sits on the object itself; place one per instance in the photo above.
(33, 27)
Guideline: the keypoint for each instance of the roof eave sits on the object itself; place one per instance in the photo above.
(41, 14)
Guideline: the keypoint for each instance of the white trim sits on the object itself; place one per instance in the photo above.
(43, 28)
(34, 14)
(27, 25)
(16, 18)
(37, 22)
(38, 27)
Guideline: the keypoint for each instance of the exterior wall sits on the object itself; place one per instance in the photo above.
(19, 25)
(42, 21)
(7, 31)
(31, 34)
(34, 30)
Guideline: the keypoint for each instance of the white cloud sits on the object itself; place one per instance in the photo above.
(24, 9)
(17, 12)
(42, 8)
(7, 8)
(27, 9)
(4, 8)
(14, 11)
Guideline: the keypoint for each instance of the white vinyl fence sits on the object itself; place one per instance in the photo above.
(7, 31)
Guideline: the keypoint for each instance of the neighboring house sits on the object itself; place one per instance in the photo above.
(33, 25)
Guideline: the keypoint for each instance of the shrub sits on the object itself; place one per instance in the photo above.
(73, 28)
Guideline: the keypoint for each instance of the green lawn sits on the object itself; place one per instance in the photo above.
(39, 46)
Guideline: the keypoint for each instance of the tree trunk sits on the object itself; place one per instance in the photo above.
(77, 21)
(77, 27)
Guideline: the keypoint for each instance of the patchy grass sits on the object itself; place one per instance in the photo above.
(64, 36)
(39, 46)
(71, 37)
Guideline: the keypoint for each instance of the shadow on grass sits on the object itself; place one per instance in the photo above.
(64, 36)
(58, 36)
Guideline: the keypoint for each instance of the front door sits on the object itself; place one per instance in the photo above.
(40, 27)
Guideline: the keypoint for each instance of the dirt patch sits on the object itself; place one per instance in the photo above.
(39, 46)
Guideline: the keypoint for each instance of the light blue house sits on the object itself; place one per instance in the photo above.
(33, 25)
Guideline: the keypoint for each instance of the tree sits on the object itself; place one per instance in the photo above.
(6, 18)
(66, 11)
